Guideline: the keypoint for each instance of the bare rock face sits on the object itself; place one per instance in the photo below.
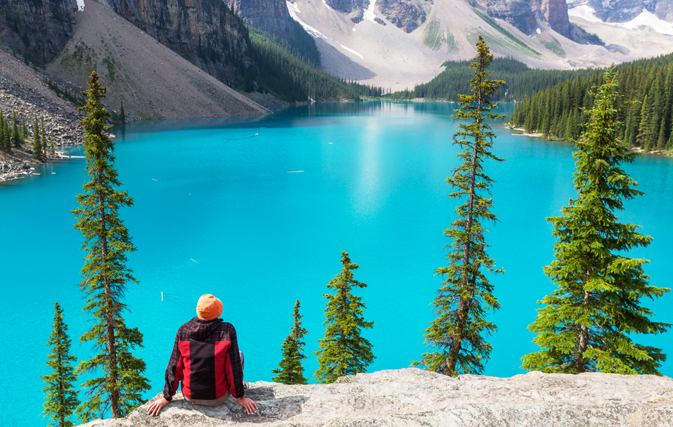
(517, 12)
(405, 14)
(413, 397)
(555, 12)
(527, 14)
(626, 10)
(36, 29)
(270, 16)
(273, 17)
(348, 6)
(205, 32)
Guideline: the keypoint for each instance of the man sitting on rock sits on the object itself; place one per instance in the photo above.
(207, 361)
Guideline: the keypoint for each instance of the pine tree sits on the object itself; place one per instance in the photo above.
(45, 145)
(343, 351)
(119, 384)
(2, 132)
(59, 390)
(52, 149)
(37, 144)
(457, 334)
(644, 127)
(122, 114)
(589, 322)
(290, 369)
(24, 129)
(6, 136)
(15, 131)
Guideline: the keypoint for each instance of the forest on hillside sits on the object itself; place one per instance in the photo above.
(293, 76)
(646, 105)
(519, 80)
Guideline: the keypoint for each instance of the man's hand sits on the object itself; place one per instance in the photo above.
(249, 404)
(156, 407)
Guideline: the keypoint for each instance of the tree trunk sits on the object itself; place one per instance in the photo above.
(61, 397)
(463, 305)
(584, 338)
(112, 346)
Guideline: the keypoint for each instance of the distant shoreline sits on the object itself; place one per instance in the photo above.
(539, 135)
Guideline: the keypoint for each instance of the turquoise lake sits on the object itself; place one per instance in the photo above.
(218, 211)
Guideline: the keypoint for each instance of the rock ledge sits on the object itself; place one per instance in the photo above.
(413, 397)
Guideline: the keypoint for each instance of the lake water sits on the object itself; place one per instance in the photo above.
(217, 211)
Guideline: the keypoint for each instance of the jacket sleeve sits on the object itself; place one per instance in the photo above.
(174, 372)
(235, 386)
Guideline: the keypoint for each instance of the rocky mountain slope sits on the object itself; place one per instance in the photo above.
(635, 28)
(626, 10)
(152, 81)
(400, 43)
(23, 91)
(205, 32)
(412, 397)
(271, 17)
(36, 29)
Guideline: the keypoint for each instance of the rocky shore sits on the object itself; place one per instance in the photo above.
(413, 397)
(23, 90)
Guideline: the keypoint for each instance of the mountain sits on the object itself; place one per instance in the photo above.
(637, 28)
(272, 17)
(205, 32)
(401, 43)
(36, 29)
(151, 81)
(626, 10)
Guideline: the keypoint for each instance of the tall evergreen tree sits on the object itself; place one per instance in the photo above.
(52, 149)
(644, 127)
(122, 114)
(457, 334)
(588, 323)
(24, 128)
(59, 390)
(45, 144)
(37, 144)
(343, 350)
(290, 369)
(119, 385)
(16, 136)
(2, 132)
(6, 136)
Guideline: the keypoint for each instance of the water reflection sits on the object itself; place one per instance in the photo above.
(297, 115)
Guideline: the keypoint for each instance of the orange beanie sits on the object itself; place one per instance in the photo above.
(208, 307)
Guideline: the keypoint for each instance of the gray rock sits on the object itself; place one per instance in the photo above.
(413, 397)
(36, 29)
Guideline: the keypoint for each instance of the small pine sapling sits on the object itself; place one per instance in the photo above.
(60, 393)
(290, 369)
(343, 350)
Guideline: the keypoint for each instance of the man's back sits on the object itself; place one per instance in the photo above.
(207, 361)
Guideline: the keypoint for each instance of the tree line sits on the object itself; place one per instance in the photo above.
(645, 100)
(519, 80)
(588, 324)
(287, 74)
(13, 135)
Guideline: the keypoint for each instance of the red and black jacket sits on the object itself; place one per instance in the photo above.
(206, 359)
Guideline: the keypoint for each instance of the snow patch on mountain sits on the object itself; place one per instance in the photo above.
(646, 21)
(369, 13)
(585, 12)
(351, 51)
(294, 11)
